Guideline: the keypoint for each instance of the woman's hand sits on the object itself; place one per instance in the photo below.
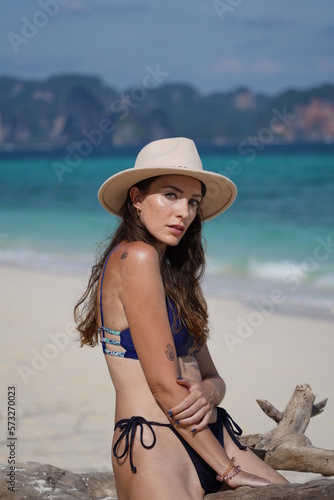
(246, 479)
(198, 408)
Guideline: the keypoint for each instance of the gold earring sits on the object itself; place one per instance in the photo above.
(138, 211)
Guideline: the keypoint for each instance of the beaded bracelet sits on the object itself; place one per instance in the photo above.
(231, 471)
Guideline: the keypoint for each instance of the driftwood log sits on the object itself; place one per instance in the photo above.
(42, 481)
(284, 448)
(313, 490)
(35, 481)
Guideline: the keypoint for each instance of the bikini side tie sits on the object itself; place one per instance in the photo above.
(128, 427)
(232, 427)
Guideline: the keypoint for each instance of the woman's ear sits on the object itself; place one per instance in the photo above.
(136, 197)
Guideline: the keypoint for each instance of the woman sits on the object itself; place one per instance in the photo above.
(145, 302)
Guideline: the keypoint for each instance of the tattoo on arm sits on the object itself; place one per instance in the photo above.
(124, 255)
(170, 352)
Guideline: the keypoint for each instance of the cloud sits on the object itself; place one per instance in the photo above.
(235, 67)
(266, 67)
(267, 22)
(328, 30)
(259, 43)
(325, 66)
(230, 65)
(77, 8)
(37, 67)
(80, 8)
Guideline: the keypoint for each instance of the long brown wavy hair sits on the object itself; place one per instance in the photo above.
(182, 269)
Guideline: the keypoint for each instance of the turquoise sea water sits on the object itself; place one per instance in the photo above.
(278, 233)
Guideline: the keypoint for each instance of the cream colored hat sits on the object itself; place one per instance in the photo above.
(169, 157)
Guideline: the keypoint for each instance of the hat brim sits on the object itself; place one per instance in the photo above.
(220, 191)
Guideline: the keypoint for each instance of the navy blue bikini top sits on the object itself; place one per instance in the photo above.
(182, 338)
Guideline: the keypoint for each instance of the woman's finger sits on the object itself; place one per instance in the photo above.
(186, 411)
(193, 417)
(201, 425)
(184, 405)
(193, 420)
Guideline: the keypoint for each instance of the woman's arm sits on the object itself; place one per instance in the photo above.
(197, 409)
(210, 375)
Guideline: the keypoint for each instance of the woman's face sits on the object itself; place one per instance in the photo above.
(169, 207)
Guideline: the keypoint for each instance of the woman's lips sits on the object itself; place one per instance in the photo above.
(176, 229)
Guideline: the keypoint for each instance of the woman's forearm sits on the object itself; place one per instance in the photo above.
(203, 442)
(207, 446)
(216, 387)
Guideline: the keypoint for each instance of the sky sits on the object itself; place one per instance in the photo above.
(213, 45)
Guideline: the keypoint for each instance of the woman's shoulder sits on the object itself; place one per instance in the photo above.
(137, 255)
(138, 249)
(138, 267)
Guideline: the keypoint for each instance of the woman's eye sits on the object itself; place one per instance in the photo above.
(170, 195)
(173, 196)
(194, 202)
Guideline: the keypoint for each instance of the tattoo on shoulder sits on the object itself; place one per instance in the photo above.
(170, 353)
(124, 255)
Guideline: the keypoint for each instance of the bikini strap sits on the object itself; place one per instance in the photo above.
(128, 426)
(231, 426)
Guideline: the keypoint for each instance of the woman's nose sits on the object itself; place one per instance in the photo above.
(183, 208)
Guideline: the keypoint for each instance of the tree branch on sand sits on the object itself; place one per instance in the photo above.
(286, 447)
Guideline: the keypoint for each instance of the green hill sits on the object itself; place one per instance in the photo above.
(63, 110)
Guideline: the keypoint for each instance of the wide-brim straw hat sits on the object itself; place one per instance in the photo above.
(174, 156)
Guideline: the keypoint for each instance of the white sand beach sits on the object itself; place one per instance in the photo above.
(65, 399)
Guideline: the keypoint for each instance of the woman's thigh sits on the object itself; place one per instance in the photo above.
(251, 463)
(163, 472)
